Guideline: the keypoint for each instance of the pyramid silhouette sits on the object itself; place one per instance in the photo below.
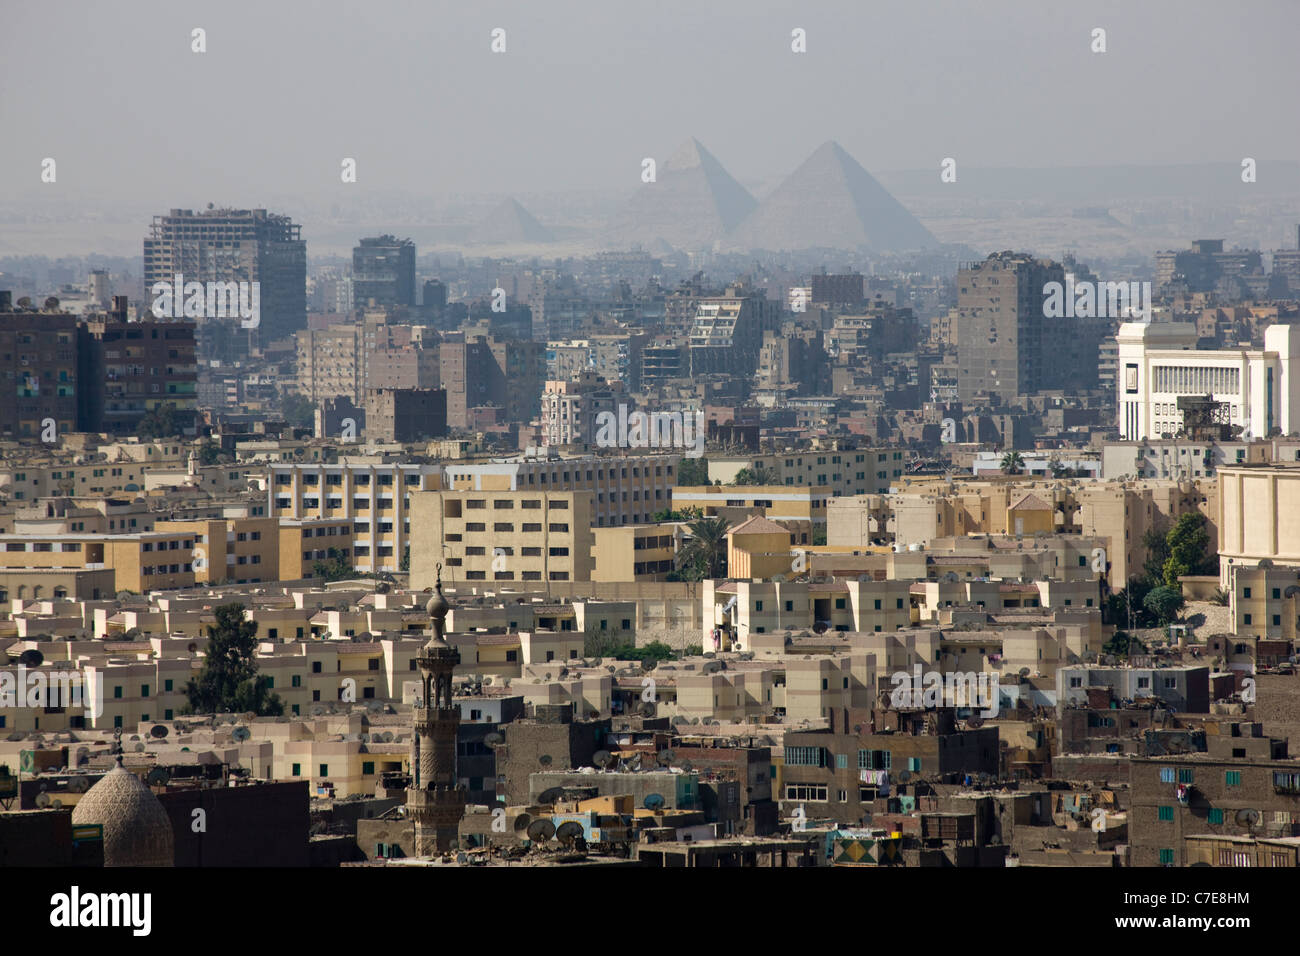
(693, 201)
(831, 201)
(510, 222)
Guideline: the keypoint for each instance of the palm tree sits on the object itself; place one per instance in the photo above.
(705, 551)
(757, 475)
(1012, 463)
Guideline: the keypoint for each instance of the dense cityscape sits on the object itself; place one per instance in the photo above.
(707, 522)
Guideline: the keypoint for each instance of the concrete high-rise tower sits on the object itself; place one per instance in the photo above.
(434, 799)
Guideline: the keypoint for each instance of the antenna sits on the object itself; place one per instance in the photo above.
(240, 734)
(653, 801)
(602, 759)
(539, 831)
(158, 776)
(158, 731)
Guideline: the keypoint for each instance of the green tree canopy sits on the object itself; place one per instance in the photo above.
(334, 567)
(704, 555)
(1013, 463)
(159, 423)
(1188, 545)
(228, 681)
(1165, 602)
(757, 475)
(693, 471)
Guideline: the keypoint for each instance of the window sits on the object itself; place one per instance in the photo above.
(1232, 778)
(1185, 776)
(799, 791)
(324, 770)
(1216, 816)
(805, 757)
(1165, 813)
(367, 768)
(1166, 857)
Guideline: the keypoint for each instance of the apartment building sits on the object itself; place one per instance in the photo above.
(1264, 601)
(130, 369)
(570, 408)
(331, 363)
(38, 355)
(375, 496)
(1244, 785)
(857, 471)
(1258, 517)
(501, 536)
(734, 611)
(633, 552)
(777, 502)
(628, 489)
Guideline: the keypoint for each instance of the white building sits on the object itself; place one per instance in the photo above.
(1159, 361)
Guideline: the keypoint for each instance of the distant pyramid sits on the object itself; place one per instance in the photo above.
(831, 201)
(510, 222)
(693, 201)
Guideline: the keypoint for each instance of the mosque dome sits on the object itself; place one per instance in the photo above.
(137, 830)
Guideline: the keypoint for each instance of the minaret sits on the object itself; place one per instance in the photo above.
(434, 800)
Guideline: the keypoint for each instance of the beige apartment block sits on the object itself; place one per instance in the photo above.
(1259, 517)
(642, 552)
(762, 607)
(372, 495)
(858, 471)
(777, 502)
(1265, 601)
(501, 536)
(1123, 512)
(626, 489)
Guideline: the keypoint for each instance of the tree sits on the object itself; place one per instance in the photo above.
(228, 681)
(704, 555)
(1122, 645)
(1165, 602)
(1189, 546)
(405, 564)
(209, 453)
(159, 423)
(1012, 463)
(333, 567)
(1157, 547)
(757, 475)
(693, 471)
(1220, 597)
(298, 410)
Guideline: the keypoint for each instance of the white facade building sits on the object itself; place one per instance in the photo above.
(1159, 361)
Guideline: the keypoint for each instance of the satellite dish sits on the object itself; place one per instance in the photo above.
(568, 831)
(192, 647)
(365, 738)
(158, 731)
(550, 796)
(139, 748)
(317, 710)
(388, 736)
(602, 758)
(78, 785)
(540, 831)
(545, 760)
(241, 734)
(653, 801)
(647, 709)
(494, 739)
(974, 722)
(649, 664)
(42, 800)
(665, 757)
(158, 776)
(1247, 818)
(56, 804)
(686, 766)
(904, 776)
(522, 822)
(32, 658)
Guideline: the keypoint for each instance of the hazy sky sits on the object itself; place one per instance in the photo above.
(587, 88)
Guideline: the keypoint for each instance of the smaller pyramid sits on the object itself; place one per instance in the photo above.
(693, 201)
(510, 223)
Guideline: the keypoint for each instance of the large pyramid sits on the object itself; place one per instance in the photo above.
(831, 201)
(512, 223)
(692, 202)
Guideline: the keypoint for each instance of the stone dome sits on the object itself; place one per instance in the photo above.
(137, 830)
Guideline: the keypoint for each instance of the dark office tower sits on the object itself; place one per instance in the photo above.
(1002, 335)
(435, 294)
(383, 272)
(233, 245)
(38, 363)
